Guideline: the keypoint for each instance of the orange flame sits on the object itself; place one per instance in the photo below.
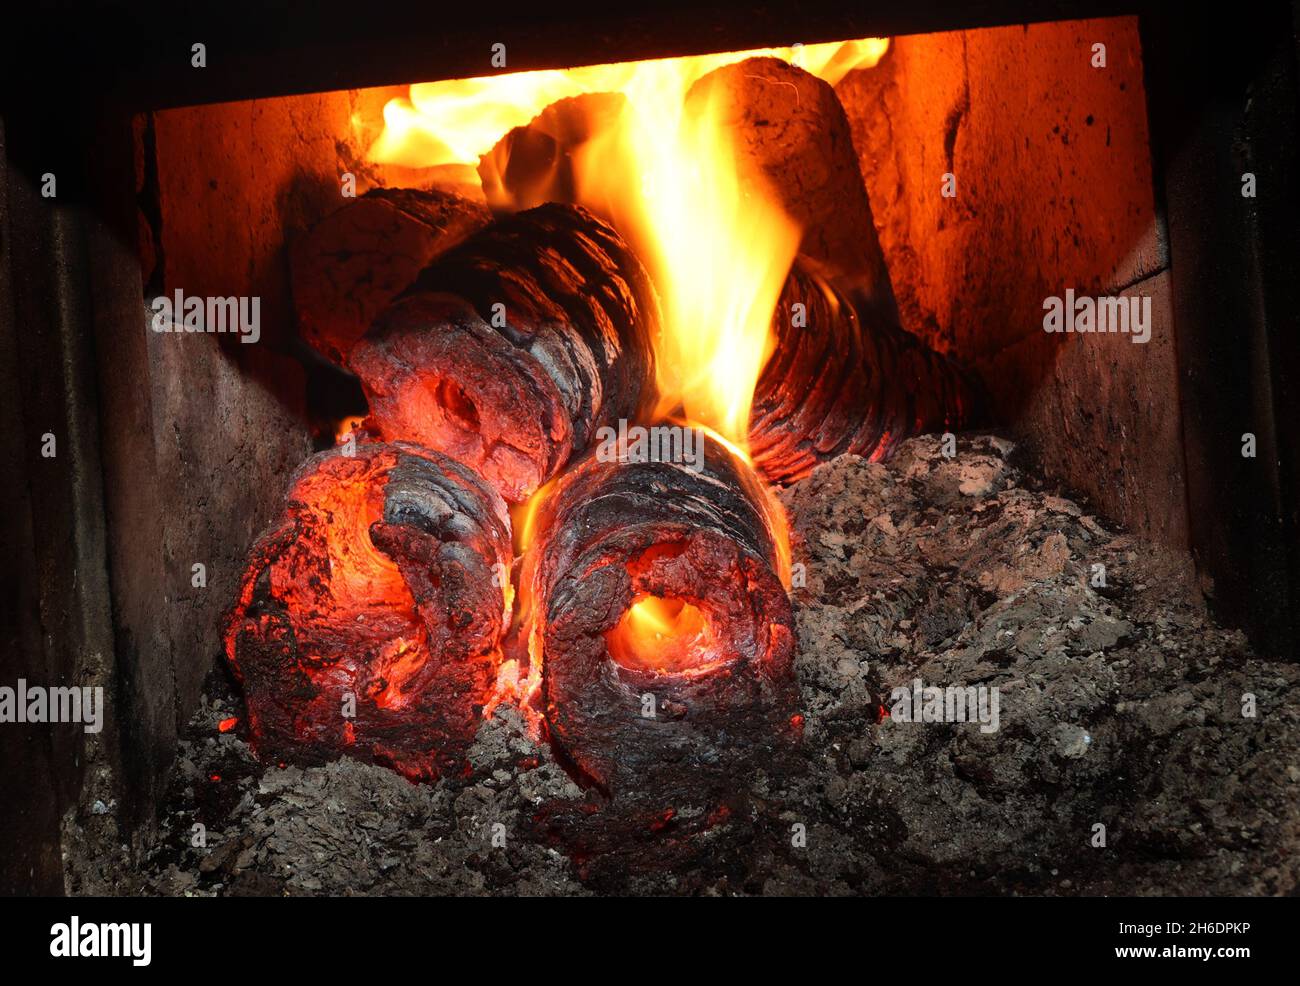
(346, 427)
(457, 121)
(665, 635)
(717, 255)
(718, 247)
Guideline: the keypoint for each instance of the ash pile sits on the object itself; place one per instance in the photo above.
(1138, 749)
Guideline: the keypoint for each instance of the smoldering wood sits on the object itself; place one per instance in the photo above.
(843, 380)
(322, 614)
(608, 533)
(348, 267)
(511, 350)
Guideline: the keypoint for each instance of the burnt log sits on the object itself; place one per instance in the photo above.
(844, 380)
(790, 132)
(348, 267)
(369, 618)
(510, 351)
(663, 631)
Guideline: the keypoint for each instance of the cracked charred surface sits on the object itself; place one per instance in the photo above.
(376, 588)
(510, 351)
(650, 737)
(842, 379)
(1121, 705)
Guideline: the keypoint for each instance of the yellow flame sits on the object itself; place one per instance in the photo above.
(456, 122)
(459, 120)
(346, 427)
(668, 635)
(654, 617)
(524, 516)
(716, 241)
(717, 245)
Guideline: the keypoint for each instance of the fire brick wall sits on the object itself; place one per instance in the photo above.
(1053, 177)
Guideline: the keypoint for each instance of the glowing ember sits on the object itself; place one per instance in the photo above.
(369, 617)
(669, 635)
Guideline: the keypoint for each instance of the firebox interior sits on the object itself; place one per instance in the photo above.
(1003, 167)
(1143, 576)
(995, 108)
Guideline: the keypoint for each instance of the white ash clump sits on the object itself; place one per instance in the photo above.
(1120, 705)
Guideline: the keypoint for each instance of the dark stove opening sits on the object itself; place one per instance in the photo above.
(1060, 528)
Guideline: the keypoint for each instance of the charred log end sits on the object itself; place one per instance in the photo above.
(369, 622)
(436, 374)
(668, 660)
(509, 352)
(664, 713)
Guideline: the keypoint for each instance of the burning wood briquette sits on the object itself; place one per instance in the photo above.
(657, 613)
(370, 616)
(841, 379)
(508, 352)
